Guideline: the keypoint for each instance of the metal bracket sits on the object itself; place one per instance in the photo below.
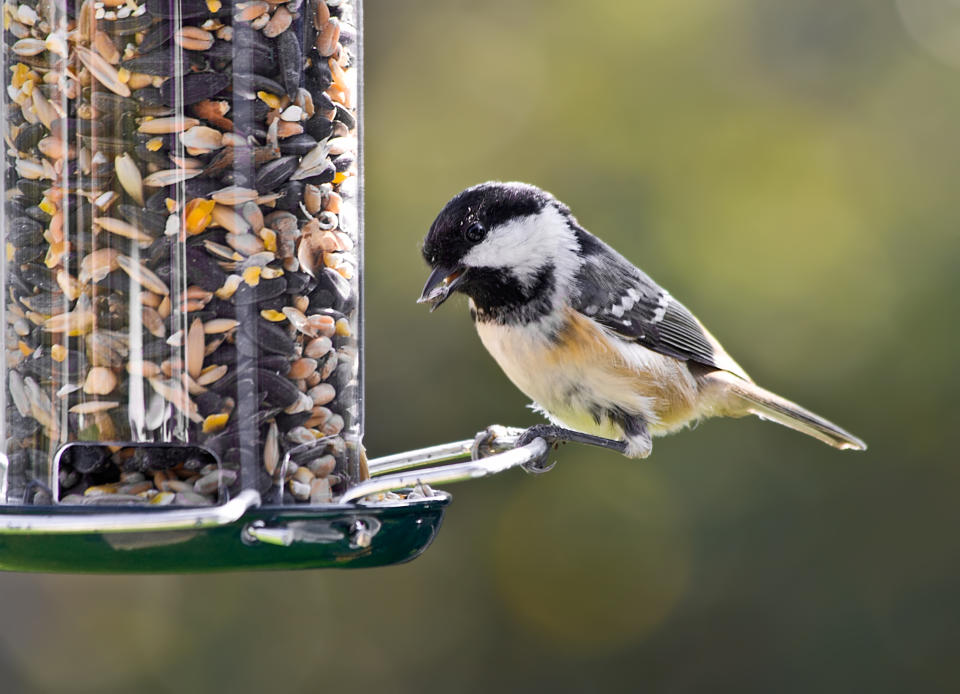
(491, 451)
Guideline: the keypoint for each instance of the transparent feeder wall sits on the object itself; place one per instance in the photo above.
(182, 266)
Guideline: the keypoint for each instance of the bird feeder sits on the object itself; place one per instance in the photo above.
(182, 296)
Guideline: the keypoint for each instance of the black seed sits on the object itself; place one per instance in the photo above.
(256, 337)
(291, 62)
(34, 212)
(164, 62)
(286, 422)
(324, 176)
(24, 231)
(200, 187)
(46, 303)
(208, 402)
(30, 191)
(108, 102)
(158, 35)
(332, 290)
(297, 282)
(155, 350)
(127, 25)
(29, 136)
(292, 194)
(298, 144)
(195, 87)
(24, 254)
(248, 84)
(318, 79)
(203, 270)
(343, 162)
(157, 202)
(265, 289)
(278, 363)
(41, 277)
(235, 177)
(148, 96)
(221, 50)
(344, 116)
(281, 391)
(87, 459)
(151, 222)
(273, 174)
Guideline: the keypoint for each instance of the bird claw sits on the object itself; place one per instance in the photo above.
(552, 435)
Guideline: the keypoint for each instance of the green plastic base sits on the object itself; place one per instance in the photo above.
(404, 532)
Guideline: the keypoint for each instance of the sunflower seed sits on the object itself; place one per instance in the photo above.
(193, 88)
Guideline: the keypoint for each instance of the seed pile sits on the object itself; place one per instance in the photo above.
(182, 249)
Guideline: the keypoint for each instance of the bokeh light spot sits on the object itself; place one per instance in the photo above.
(588, 565)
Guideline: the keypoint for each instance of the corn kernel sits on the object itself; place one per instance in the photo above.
(269, 237)
(199, 215)
(271, 100)
(215, 422)
(214, 5)
(272, 316)
(48, 207)
(58, 353)
(154, 144)
(123, 74)
(20, 73)
(24, 348)
(229, 287)
(252, 276)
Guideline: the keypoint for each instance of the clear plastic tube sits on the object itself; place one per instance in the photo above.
(182, 266)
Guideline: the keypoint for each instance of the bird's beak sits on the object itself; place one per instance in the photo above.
(441, 282)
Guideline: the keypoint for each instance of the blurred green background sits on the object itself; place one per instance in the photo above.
(788, 169)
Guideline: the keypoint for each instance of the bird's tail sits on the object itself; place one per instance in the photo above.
(749, 398)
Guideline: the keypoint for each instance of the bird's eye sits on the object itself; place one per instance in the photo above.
(475, 232)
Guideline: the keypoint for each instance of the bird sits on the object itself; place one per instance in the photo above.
(606, 354)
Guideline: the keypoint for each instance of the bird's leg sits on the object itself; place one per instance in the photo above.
(553, 435)
(638, 443)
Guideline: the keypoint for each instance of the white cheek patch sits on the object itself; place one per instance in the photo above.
(526, 245)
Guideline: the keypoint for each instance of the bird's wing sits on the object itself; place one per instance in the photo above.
(624, 300)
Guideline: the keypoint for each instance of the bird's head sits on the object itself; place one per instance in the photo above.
(505, 245)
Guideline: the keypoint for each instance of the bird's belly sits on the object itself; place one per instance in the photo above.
(580, 380)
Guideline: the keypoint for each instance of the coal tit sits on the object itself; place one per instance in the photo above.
(598, 345)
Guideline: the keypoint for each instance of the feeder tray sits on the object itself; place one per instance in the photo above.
(359, 530)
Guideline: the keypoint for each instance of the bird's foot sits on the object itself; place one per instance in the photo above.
(549, 433)
(555, 435)
(488, 442)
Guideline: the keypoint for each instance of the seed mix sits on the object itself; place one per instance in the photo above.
(182, 258)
